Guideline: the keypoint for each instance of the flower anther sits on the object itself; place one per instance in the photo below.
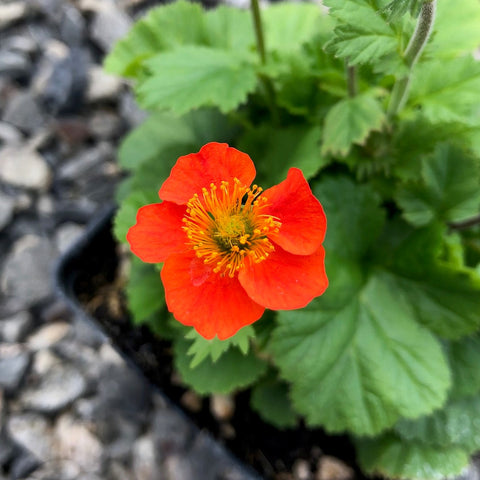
(226, 228)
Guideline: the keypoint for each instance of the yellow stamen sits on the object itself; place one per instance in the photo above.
(227, 228)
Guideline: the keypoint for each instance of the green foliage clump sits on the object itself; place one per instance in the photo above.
(389, 139)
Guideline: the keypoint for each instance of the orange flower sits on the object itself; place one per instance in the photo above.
(231, 249)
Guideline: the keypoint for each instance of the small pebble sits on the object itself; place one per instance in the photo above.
(222, 407)
(331, 468)
(48, 335)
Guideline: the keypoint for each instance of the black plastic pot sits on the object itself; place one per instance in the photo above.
(94, 254)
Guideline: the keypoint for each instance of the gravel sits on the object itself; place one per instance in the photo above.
(70, 407)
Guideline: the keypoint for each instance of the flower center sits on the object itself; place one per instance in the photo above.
(226, 226)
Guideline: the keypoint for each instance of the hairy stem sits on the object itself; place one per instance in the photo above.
(414, 49)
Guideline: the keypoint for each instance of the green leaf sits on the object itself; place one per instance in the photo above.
(127, 213)
(229, 28)
(202, 348)
(270, 400)
(163, 137)
(398, 8)
(123, 189)
(193, 76)
(460, 24)
(362, 365)
(449, 189)
(391, 457)
(157, 133)
(144, 290)
(350, 121)
(355, 218)
(446, 92)
(357, 358)
(165, 27)
(455, 424)
(363, 35)
(275, 150)
(420, 138)
(442, 296)
(464, 359)
(232, 371)
(289, 25)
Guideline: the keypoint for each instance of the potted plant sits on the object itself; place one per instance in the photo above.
(376, 103)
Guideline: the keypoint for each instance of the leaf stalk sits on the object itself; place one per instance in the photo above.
(267, 83)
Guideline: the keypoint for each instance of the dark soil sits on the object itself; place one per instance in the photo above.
(92, 275)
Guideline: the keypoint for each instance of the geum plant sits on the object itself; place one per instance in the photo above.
(377, 105)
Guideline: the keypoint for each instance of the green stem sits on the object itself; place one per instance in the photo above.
(414, 49)
(267, 83)
(257, 24)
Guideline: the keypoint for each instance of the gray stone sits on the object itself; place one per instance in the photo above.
(53, 52)
(58, 469)
(108, 354)
(12, 12)
(9, 134)
(124, 435)
(72, 26)
(44, 360)
(130, 110)
(48, 335)
(3, 411)
(67, 234)
(21, 43)
(65, 88)
(105, 125)
(144, 461)
(74, 441)
(58, 387)
(7, 447)
(24, 167)
(45, 205)
(23, 112)
(26, 273)
(33, 432)
(14, 328)
(116, 470)
(86, 162)
(102, 86)
(14, 64)
(109, 25)
(7, 208)
(23, 465)
(12, 370)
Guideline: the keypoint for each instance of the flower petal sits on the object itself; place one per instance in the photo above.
(158, 232)
(212, 304)
(303, 220)
(212, 164)
(285, 281)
